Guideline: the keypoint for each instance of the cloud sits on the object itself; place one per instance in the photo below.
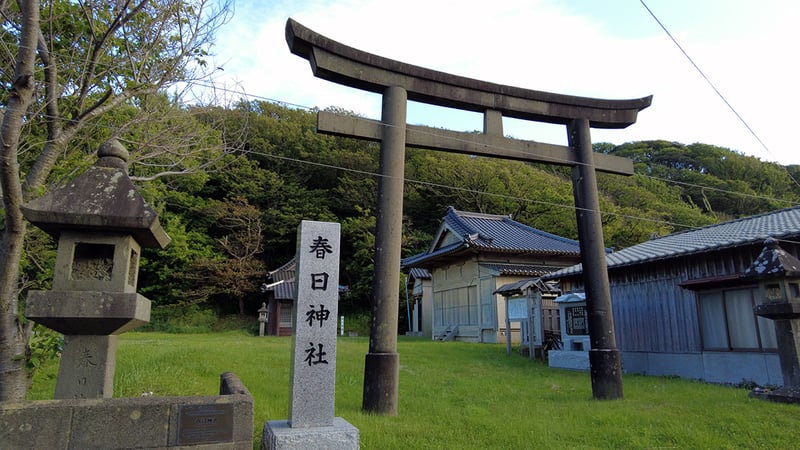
(575, 48)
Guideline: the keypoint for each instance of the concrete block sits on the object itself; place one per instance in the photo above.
(43, 424)
(278, 435)
(215, 422)
(563, 359)
(88, 312)
(132, 422)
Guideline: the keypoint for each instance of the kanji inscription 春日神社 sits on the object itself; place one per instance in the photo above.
(314, 344)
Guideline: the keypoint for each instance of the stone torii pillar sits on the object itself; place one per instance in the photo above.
(399, 82)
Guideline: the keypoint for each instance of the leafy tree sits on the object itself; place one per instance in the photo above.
(239, 272)
(358, 244)
(161, 271)
(89, 60)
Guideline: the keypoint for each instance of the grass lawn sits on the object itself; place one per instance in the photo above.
(458, 396)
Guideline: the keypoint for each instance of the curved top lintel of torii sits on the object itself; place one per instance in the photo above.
(339, 63)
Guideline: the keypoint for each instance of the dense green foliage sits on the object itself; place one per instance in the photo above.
(288, 172)
(233, 221)
(457, 395)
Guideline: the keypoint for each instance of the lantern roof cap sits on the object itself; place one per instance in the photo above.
(773, 262)
(102, 199)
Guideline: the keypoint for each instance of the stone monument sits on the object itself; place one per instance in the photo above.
(311, 422)
(778, 276)
(262, 318)
(101, 223)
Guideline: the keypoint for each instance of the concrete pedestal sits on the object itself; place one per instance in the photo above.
(564, 359)
(278, 435)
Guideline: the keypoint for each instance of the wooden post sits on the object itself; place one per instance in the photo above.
(604, 358)
(508, 329)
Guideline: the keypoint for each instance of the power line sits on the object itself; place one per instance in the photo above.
(472, 191)
(203, 84)
(710, 83)
(432, 132)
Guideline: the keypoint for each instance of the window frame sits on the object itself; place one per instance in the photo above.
(753, 291)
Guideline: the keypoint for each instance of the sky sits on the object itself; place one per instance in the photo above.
(615, 49)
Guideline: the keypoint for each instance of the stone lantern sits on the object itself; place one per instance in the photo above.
(778, 276)
(262, 318)
(100, 223)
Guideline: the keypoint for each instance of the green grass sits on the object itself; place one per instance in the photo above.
(459, 396)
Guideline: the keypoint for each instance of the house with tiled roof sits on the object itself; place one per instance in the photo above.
(474, 254)
(683, 306)
(279, 288)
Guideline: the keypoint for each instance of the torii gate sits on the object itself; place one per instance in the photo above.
(399, 82)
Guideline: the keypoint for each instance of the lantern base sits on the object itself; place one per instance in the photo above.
(780, 395)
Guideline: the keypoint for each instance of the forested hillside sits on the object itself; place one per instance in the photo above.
(233, 222)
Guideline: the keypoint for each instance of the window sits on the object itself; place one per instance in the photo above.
(286, 314)
(727, 321)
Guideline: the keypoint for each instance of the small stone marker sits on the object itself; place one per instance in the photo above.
(311, 421)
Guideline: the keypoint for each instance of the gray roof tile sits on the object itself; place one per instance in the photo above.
(495, 233)
(779, 224)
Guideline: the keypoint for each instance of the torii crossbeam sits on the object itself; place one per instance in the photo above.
(399, 82)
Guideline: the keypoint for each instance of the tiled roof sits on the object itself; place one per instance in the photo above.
(283, 290)
(420, 274)
(284, 272)
(494, 233)
(519, 287)
(779, 224)
(411, 261)
(502, 233)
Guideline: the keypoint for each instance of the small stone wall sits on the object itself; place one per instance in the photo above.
(209, 422)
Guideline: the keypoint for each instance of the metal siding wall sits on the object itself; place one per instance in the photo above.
(655, 315)
(652, 313)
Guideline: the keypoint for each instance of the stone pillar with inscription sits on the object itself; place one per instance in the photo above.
(101, 223)
(311, 422)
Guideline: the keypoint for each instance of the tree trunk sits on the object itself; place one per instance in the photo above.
(13, 334)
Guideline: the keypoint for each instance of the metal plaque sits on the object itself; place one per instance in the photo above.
(205, 424)
(577, 325)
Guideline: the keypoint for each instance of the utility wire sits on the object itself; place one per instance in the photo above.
(710, 83)
(554, 160)
(471, 191)
(432, 132)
